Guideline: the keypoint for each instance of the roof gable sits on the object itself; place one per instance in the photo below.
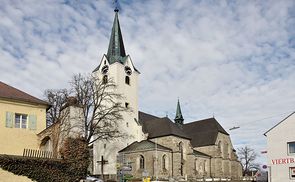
(198, 154)
(9, 92)
(160, 127)
(265, 134)
(143, 117)
(204, 132)
(144, 145)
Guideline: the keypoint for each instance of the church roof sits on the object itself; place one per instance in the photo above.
(160, 127)
(144, 145)
(198, 153)
(143, 117)
(203, 132)
(116, 50)
(9, 92)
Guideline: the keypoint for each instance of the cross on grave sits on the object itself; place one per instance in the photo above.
(102, 162)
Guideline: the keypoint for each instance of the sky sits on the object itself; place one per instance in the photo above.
(232, 60)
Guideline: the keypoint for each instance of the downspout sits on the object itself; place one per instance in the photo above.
(210, 167)
(172, 164)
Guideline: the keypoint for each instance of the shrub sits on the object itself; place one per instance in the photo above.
(47, 170)
(72, 167)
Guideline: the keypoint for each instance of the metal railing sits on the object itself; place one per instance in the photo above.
(37, 153)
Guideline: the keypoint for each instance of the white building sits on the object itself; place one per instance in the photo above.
(118, 67)
(281, 150)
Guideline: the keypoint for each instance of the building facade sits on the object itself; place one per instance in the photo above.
(22, 117)
(157, 146)
(281, 150)
(70, 124)
(200, 149)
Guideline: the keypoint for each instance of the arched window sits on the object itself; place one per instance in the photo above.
(181, 157)
(181, 150)
(220, 147)
(196, 166)
(105, 79)
(141, 162)
(225, 150)
(127, 80)
(46, 144)
(164, 162)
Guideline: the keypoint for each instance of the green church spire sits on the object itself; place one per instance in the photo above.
(178, 117)
(116, 51)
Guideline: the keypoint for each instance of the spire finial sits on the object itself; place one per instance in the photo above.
(116, 3)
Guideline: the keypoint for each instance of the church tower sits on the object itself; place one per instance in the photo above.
(178, 116)
(118, 67)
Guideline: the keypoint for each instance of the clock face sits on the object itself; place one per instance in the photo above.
(105, 69)
(128, 70)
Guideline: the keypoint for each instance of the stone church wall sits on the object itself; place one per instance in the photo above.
(224, 162)
(173, 143)
(152, 165)
(198, 166)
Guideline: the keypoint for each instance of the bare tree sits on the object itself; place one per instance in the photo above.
(96, 113)
(101, 107)
(57, 99)
(56, 116)
(247, 157)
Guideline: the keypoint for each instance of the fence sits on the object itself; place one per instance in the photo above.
(37, 153)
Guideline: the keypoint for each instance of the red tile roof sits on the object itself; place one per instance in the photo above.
(9, 92)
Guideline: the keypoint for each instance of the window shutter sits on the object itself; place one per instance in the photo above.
(32, 122)
(9, 119)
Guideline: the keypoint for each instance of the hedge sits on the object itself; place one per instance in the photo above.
(45, 170)
(72, 167)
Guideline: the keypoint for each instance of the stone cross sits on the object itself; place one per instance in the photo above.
(102, 162)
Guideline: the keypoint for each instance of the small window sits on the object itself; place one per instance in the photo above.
(127, 125)
(291, 147)
(105, 62)
(105, 69)
(164, 162)
(127, 80)
(196, 165)
(20, 121)
(181, 151)
(220, 147)
(141, 162)
(292, 172)
(126, 104)
(105, 79)
(104, 145)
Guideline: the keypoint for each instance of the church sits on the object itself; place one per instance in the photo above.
(158, 147)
